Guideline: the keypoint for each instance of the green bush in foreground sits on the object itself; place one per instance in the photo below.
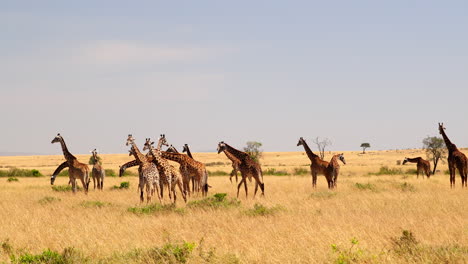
(262, 210)
(123, 185)
(48, 199)
(65, 188)
(12, 179)
(365, 186)
(156, 208)
(218, 200)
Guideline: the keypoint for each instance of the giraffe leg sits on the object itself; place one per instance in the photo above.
(245, 187)
(73, 183)
(182, 191)
(239, 185)
(256, 187)
(84, 185)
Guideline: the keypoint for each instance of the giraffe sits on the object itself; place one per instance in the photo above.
(172, 149)
(333, 170)
(247, 167)
(98, 172)
(422, 166)
(193, 169)
(317, 166)
(456, 159)
(76, 169)
(186, 148)
(149, 172)
(172, 176)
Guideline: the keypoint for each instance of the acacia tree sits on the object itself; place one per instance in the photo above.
(321, 145)
(364, 146)
(435, 150)
(253, 149)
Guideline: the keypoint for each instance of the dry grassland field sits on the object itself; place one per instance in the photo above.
(387, 217)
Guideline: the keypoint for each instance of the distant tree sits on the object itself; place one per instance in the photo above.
(92, 160)
(364, 146)
(321, 145)
(435, 150)
(253, 149)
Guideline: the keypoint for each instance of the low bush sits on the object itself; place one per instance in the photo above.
(218, 200)
(262, 210)
(12, 179)
(123, 185)
(69, 255)
(15, 172)
(110, 173)
(411, 171)
(65, 188)
(274, 172)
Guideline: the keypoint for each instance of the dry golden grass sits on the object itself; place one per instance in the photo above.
(303, 230)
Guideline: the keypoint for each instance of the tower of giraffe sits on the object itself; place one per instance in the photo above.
(149, 172)
(193, 169)
(333, 170)
(76, 169)
(150, 158)
(317, 166)
(247, 166)
(169, 170)
(98, 172)
(422, 166)
(456, 159)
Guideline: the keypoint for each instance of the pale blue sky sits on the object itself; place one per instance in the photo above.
(206, 71)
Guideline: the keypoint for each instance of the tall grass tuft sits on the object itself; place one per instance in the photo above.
(274, 172)
(262, 210)
(385, 170)
(156, 209)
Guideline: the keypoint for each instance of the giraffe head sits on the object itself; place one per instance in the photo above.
(405, 160)
(441, 128)
(148, 144)
(56, 139)
(130, 140)
(221, 146)
(301, 142)
(185, 148)
(94, 153)
(162, 141)
(341, 157)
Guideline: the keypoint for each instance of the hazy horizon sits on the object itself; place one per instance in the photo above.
(208, 71)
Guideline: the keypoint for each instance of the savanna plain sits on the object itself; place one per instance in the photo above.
(379, 213)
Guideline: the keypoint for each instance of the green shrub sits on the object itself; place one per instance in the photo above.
(218, 200)
(365, 186)
(110, 173)
(7, 247)
(69, 255)
(261, 210)
(123, 185)
(155, 209)
(65, 188)
(300, 171)
(92, 160)
(49, 199)
(353, 254)
(385, 170)
(12, 179)
(274, 172)
(217, 173)
(15, 172)
(63, 173)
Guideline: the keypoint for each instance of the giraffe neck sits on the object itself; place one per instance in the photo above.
(68, 156)
(239, 155)
(189, 153)
(309, 152)
(414, 160)
(450, 146)
(177, 157)
(138, 155)
(231, 157)
(156, 153)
